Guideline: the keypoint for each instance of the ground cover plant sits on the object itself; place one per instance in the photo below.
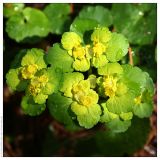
(87, 72)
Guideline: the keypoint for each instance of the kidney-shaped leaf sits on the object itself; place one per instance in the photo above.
(31, 22)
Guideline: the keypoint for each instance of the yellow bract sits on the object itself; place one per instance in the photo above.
(29, 71)
(37, 84)
(42, 80)
(86, 100)
(70, 40)
(83, 94)
(110, 85)
(138, 100)
(79, 52)
(98, 49)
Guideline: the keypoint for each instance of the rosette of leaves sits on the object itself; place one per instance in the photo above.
(27, 23)
(78, 97)
(72, 43)
(104, 47)
(128, 91)
(31, 62)
(33, 76)
(44, 83)
(143, 102)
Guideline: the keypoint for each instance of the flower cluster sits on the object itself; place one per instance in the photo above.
(33, 76)
(86, 82)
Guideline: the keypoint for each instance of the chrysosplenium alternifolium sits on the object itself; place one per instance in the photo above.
(84, 82)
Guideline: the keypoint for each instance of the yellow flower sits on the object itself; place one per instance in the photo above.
(83, 94)
(28, 71)
(138, 100)
(110, 85)
(37, 84)
(98, 49)
(79, 52)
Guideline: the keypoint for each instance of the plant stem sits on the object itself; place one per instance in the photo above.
(130, 56)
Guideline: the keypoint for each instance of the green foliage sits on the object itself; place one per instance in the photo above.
(30, 107)
(117, 47)
(82, 25)
(11, 9)
(30, 73)
(59, 108)
(54, 57)
(14, 81)
(84, 79)
(31, 22)
(99, 13)
(120, 144)
(58, 15)
(137, 23)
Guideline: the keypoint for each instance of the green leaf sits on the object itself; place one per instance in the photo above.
(122, 104)
(59, 58)
(126, 143)
(132, 87)
(81, 65)
(135, 74)
(110, 68)
(118, 126)
(99, 61)
(70, 40)
(10, 9)
(12, 78)
(34, 56)
(14, 82)
(59, 108)
(99, 13)
(101, 35)
(149, 84)
(107, 116)
(55, 81)
(58, 15)
(93, 80)
(126, 116)
(145, 6)
(82, 25)
(143, 110)
(30, 107)
(91, 118)
(117, 47)
(136, 23)
(40, 98)
(31, 22)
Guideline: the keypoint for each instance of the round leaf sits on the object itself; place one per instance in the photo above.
(59, 58)
(58, 15)
(82, 25)
(143, 110)
(118, 126)
(30, 107)
(138, 24)
(117, 47)
(11, 9)
(126, 143)
(120, 104)
(59, 108)
(31, 22)
(99, 13)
